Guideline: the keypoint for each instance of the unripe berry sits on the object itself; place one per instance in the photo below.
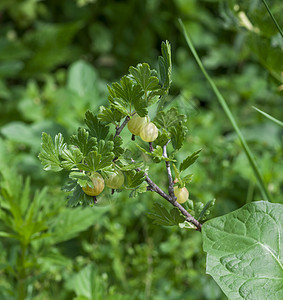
(98, 185)
(136, 123)
(182, 194)
(115, 180)
(149, 132)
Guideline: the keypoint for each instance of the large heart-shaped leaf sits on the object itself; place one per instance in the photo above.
(244, 251)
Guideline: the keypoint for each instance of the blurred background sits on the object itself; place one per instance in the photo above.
(56, 59)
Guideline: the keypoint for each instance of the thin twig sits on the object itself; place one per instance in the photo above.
(155, 188)
(150, 147)
(120, 128)
(168, 167)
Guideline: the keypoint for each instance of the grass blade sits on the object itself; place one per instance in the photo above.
(272, 17)
(250, 156)
(269, 116)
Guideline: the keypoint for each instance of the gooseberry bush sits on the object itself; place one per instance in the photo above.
(101, 162)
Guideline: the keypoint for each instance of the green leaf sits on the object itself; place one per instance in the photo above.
(144, 78)
(127, 91)
(118, 150)
(189, 160)
(96, 128)
(178, 134)
(81, 178)
(157, 153)
(83, 142)
(244, 251)
(141, 107)
(161, 216)
(139, 190)
(82, 78)
(50, 152)
(168, 119)
(134, 178)
(205, 211)
(71, 157)
(109, 115)
(72, 221)
(165, 65)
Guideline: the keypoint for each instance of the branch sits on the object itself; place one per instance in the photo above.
(120, 128)
(171, 184)
(155, 188)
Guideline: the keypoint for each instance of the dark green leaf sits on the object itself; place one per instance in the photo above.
(96, 128)
(161, 216)
(244, 251)
(189, 160)
(50, 152)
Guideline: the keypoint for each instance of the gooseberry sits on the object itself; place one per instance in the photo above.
(98, 185)
(149, 132)
(115, 180)
(136, 123)
(182, 194)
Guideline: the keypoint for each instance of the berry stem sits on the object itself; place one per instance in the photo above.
(120, 128)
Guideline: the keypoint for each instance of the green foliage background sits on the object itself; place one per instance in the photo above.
(56, 58)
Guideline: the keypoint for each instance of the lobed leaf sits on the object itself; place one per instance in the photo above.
(143, 76)
(109, 115)
(170, 118)
(96, 128)
(161, 216)
(134, 178)
(50, 152)
(83, 141)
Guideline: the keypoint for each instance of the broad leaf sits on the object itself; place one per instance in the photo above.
(162, 216)
(50, 152)
(244, 251)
